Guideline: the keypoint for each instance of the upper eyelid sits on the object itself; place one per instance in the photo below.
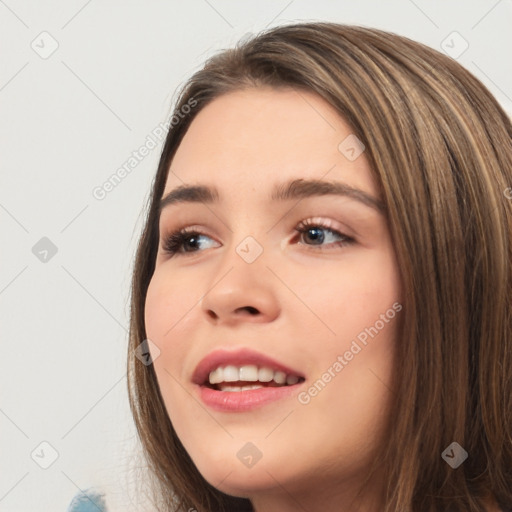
(313, 220)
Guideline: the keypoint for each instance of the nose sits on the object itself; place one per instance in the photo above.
(241, 292)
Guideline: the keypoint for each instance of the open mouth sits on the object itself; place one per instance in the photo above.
(248, 377)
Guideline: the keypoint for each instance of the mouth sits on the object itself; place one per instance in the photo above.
(243, 380)
(233, 378)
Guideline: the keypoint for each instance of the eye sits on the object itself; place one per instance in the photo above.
(315, 231)
(183, 241)
(189, 240)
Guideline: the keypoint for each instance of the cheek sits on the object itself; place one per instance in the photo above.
(172, 311)
(158, 309)
(169, 308)
(358, 297)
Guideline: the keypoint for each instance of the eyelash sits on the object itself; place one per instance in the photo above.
(173, 242)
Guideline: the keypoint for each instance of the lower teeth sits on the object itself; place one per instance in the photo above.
(246, 387)
(239, 388)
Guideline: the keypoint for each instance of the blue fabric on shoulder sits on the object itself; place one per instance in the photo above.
(88, 501)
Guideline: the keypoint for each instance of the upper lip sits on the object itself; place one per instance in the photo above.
(238, 357)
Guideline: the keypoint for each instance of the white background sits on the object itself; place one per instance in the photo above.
(67, 123)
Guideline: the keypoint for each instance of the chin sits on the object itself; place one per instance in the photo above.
(228, 474)
(240, 483)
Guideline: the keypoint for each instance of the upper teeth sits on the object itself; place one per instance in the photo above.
(250, 373)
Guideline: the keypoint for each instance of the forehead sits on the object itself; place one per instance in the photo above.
(254, 138)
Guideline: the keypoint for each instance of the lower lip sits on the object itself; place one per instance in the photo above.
(240, 401)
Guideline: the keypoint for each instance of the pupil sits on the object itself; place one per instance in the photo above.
(317, 236)
(191, 242)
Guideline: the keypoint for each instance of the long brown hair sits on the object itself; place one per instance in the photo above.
(440, 147)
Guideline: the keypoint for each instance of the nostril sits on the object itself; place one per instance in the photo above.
(252, 311)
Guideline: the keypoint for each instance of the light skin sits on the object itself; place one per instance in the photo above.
(309, 301)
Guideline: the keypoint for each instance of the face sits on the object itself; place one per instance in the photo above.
(300, 287)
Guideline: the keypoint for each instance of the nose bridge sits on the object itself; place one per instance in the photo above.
(250, 250)
(241, 281)
(244, 263)
(249, 235)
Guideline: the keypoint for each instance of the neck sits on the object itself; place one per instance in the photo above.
(321, 496)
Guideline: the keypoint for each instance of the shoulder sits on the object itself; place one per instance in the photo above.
(89, 500)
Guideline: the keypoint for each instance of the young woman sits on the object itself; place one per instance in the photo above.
(321, 303)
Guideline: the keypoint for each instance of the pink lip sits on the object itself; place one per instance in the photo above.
(239, 401)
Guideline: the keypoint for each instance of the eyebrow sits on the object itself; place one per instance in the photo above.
(294, 189)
